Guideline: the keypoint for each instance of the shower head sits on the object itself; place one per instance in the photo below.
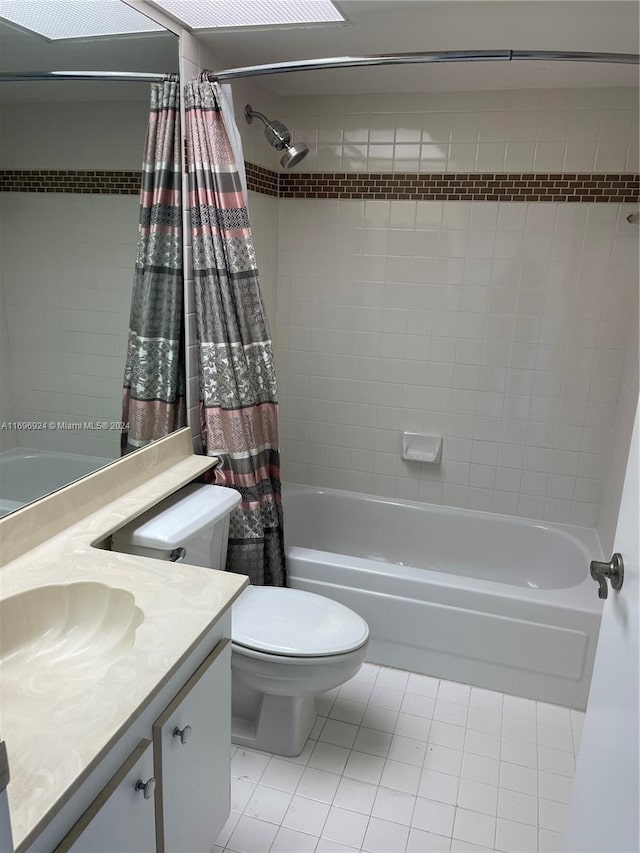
(294, 154)
(633, 218)
(278, 135)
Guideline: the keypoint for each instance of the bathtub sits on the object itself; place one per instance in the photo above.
(495, 601)
(26, 475)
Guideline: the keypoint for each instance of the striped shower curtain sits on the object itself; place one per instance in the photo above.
(238, 394)
(153, 396)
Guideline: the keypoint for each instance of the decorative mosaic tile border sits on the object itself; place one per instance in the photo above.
(101, 182)
(459, 186)
(93, 181)
(411, 186)
(261, 180)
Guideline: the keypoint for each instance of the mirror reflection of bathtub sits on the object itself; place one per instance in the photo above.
(500, 602)
(65, 294)
(26, 475)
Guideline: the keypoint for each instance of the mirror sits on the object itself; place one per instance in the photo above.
(68, 238)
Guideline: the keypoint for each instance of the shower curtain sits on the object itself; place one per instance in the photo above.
(153, 396)
(238, 394)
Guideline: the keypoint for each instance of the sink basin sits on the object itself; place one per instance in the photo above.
(57, 641)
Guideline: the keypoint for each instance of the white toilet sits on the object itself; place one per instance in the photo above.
(288, 646)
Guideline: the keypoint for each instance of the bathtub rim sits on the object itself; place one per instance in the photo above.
(15, 455)
(33, 452)
(581, 596)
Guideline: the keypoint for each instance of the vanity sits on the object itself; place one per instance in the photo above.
(115, 677)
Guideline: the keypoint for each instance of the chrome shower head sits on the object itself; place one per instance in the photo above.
(294, 154)
(279, 137)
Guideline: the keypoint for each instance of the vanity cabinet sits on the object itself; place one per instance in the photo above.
(191, 748)
(172, 793)
(180, 748)
(122, 815)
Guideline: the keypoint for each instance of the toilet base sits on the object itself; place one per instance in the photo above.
(278, 724)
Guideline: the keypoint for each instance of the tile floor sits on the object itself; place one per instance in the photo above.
(403, 762)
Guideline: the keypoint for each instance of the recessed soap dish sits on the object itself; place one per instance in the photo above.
(422, 447)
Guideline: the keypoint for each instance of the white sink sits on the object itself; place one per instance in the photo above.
(58, 641)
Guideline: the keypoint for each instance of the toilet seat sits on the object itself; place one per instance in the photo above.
(290, 623)
(290, 660)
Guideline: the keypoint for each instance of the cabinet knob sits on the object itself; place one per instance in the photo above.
(184, 734)
(147, 787)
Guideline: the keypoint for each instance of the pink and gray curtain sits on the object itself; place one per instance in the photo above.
(153, 397)
(239, 409)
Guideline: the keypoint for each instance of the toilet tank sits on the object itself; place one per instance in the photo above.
(191, 526)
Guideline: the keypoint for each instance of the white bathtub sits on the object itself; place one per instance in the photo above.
(26, 475)
(490, 600)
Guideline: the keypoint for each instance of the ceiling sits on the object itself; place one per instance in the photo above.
(398, 26)
(373, 26)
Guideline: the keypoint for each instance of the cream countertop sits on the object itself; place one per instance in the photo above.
(53, 741)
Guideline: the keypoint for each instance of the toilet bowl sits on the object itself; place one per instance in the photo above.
(288, 646)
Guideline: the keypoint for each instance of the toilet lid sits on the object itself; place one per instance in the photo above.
(291, 622)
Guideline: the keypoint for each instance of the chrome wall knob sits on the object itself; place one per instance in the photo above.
(147, 787)
(184, 734)
(612, 571)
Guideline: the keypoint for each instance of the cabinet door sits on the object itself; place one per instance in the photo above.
(191, 751)
(122, 816)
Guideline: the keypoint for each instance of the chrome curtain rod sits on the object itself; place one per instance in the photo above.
(123, 76)
(420, 58)
(335, 62)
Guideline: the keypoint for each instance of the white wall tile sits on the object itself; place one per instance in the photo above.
(510, 396)
(80, 135)
(67, 309)
(570, 130)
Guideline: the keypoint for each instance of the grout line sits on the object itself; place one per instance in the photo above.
(448, 186)
(409, 827)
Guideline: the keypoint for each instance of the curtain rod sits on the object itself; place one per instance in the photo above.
(122, 76)
(420, 58)
(334, 62)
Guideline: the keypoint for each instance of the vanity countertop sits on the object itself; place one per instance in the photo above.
(55, 737)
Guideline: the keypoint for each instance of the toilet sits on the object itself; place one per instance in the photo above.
(288, 646)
